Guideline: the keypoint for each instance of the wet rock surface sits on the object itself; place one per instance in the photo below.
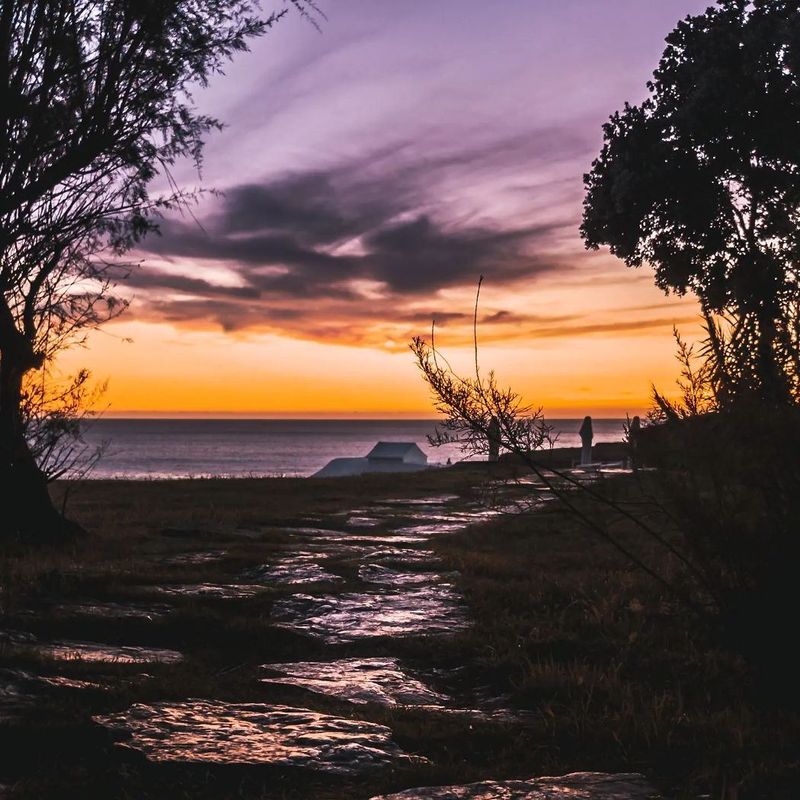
(15, 694)
(386, 576)
(94, 651)
(295, 570)
(357, 680)
(218, 591)
(20, 689)
(193, 558)
(576, 786)
(64, 650)
(386, 587)
(349, 617)
(251, 733)
(140, 611)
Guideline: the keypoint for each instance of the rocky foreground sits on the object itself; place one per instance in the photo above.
(325, 652)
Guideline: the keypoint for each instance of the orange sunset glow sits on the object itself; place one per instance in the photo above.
(361, 196)
(602, 364)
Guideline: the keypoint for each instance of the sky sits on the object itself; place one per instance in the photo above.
(370, 170)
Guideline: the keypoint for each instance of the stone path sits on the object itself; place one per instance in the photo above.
(576, 786)
(399, 591)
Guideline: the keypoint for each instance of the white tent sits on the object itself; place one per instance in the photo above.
(384, 457)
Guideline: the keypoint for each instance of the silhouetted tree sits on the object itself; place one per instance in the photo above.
(95, 101)
(702, 181)
(715, 524)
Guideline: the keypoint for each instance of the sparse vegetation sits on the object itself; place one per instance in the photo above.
(607, 670)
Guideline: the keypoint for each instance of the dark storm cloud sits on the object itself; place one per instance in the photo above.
(371, 234)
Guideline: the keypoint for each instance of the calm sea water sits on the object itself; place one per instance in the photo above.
(177, 448)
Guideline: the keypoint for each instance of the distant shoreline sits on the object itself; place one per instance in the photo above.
(557, 457)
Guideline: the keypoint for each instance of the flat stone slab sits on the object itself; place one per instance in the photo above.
(294, 570)
(15, 696)
(575, 786)
(358, 680)
(350, 550)
(217, 591)
(428, 529)
(386, 576)
(193, 558)
(377, 538)
(106, 653)
(89, 651)
(141, 611)
(213, 732)
(350, 617)
(363, 522)
(420, 501)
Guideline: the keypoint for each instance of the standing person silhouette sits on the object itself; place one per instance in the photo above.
(493, 435)
(586, 440)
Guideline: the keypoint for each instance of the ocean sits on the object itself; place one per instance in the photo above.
(181, 448)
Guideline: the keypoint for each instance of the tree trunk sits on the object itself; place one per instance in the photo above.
(27, 511)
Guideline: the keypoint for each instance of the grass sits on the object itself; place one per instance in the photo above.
(610, 675)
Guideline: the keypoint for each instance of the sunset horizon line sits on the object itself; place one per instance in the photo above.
(330, 416)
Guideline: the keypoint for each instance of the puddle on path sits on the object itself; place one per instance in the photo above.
(358, 680)
(576, 786)
(206, 731)
(298, 569)
(217, 591)
(339, 619)
(140, 611)
(377, 573)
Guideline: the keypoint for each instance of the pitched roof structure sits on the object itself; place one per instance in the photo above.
(401, 451)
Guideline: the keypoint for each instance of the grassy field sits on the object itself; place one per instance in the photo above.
(605, 671)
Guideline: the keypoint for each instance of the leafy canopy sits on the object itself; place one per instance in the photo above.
(702, 180)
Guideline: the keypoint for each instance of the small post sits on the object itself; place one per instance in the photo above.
(493, 435)
(586, 441)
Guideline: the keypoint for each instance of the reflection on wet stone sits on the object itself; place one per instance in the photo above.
(89, 651)
(350, 617)
(106, 653)
(400, 555)
(377, 573)
(194, 558)
(141, 611)
(374, 552)
(363, 522)
(421, 501)
(213, 732)
(297, 569)
(576, 786)
(15, 696)
(358, 680)
(432, 528)
(217, 591)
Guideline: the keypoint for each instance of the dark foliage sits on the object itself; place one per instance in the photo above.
(701, 182)
(95, 101)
